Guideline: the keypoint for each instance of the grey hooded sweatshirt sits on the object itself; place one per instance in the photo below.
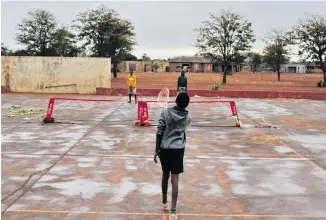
(172, 125)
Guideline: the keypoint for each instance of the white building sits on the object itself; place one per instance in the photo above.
(294, 68)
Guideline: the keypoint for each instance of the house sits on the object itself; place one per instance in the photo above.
(294, 68)
(143, 66)
(313, 67)
(194, 63)
(231, 68)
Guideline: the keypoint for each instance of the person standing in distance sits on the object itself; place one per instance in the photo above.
(132, 86)
(182, 82)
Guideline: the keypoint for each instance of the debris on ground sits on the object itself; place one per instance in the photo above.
(17, 111)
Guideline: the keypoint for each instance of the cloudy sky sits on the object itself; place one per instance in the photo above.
(165, 29)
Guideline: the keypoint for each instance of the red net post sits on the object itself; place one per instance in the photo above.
(235, 112)
(142, 114)
(48, 118)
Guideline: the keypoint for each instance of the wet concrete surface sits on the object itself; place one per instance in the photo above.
(97, 165)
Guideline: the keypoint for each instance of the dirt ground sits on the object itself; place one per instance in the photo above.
(261, 81)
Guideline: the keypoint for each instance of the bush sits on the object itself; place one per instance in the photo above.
(229, 73)
(216, 86)
(156, 66)
(167, 69)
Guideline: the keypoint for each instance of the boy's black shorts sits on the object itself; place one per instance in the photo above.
(172, 160)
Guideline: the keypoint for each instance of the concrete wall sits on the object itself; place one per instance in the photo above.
(174, 67)
(163, 64)
(139, 66)
(293, 68)
(55, 74)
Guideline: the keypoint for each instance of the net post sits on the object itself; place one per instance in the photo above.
(235, 112)
(142, 112)
(48, 118)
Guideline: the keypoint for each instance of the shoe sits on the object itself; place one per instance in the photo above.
(165, 207)
(129, 101)
(173, 216)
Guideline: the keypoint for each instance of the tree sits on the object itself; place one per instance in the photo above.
(145, 57)
(224, 36)
(129, 57)
(156, 66)
(63, 43)
(276, 50)
(105, 33)
(310, 34)
(256, 61)
(5, 51)
(36, 32)
(21, 52)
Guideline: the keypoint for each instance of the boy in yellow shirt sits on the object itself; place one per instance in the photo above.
(132, 86)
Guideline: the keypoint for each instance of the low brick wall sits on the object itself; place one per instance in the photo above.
(229, 94)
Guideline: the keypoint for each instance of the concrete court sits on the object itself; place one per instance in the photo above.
(101, 166)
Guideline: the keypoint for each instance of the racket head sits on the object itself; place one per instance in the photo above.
(163, 98)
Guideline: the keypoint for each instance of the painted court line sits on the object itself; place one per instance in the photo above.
(160, 214)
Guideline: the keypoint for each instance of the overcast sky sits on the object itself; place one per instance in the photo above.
(165, 29)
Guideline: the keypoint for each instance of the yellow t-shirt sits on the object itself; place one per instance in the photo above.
(131, 80)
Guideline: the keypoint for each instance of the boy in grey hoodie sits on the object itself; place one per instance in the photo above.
(170, 146)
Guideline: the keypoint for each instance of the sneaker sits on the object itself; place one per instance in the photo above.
(165, 207)
(173, 216)
(129, 101)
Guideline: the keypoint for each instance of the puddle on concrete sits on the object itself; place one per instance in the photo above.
(215, 190)
(282, 149)
(238, 146)
(317, 142)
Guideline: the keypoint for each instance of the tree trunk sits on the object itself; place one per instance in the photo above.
(323, 67)
(115, 65)
(278, 71)
(224, 76)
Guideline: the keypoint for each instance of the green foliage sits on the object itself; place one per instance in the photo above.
(17, 111)
(216, 86)
(276, 50)
(156, 66)
(145, 57)
(310, 34)
(105, 33)
(127, 57)
(5, 51)
(223, 37)
(63, 43)
(35, 32)
(167, 69)
(256, 61)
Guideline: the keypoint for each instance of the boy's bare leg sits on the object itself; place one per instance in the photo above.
(175, 189)
(165, 182)
(135, 98)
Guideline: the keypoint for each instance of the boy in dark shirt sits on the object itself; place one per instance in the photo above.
(182, 82)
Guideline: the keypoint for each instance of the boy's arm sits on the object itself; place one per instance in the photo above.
(160, 131)
(186, 82)
(128, 82)
(135, 82)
